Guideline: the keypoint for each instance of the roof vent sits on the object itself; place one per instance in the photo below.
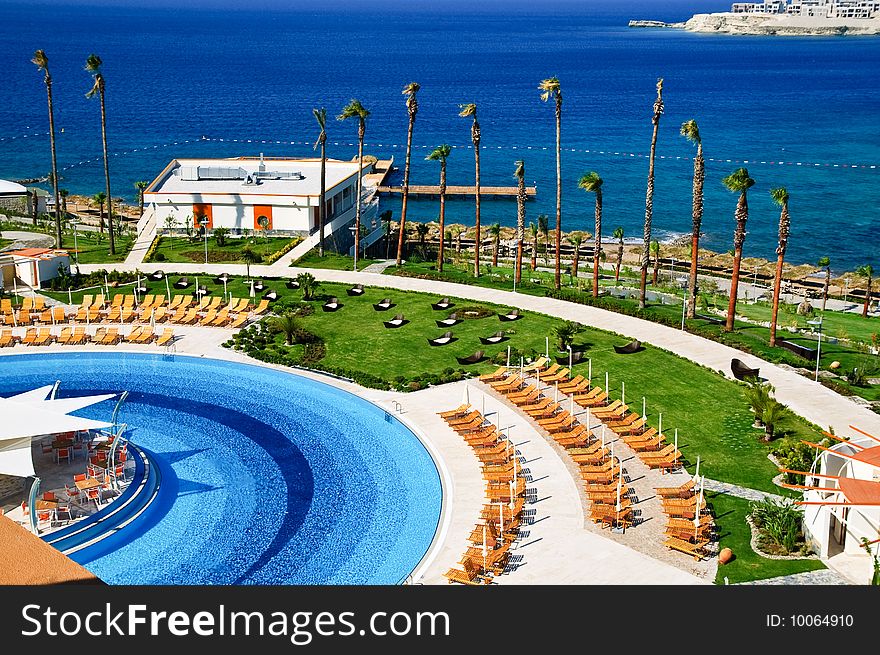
(262, 163)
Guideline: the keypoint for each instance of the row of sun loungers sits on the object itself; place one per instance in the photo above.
(501, 516)
(689, 526)
(105, 336)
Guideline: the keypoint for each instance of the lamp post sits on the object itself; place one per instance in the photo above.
(75, 223)
(818, 322)
(845, 287)
(353, 228)
(203, 222)
(682, 282)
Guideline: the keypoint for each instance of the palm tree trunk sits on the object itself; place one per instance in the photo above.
(597, 245)
(656, 269)
(867, 299)
(34, 207)
(140, 202)
(357, 210)
(575, 261)
(742, 214)
(323, 198)
(107, 174)
(649, 211)
(827, 284)
(101, 218)
(699, 178)
(535, 254)
(442, 214)
(495, 252)
(477, 208)
(520, 226)
(409, 133)
(777, 285)
(558, 189)
(58, 235)
(619, 262)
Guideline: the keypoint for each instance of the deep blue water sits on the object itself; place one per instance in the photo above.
(267, 477)
(177, 75)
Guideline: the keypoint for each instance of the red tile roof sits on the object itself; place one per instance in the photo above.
(860, 492)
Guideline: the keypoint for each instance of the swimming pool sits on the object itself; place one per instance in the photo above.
(267, 477)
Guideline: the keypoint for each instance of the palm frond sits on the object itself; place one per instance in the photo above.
(690, 131)
(590, 182)
(550, 88)
(440, 153)
(411, 89)
(94, 63)
(354, 109)
(824, 262)
(618, 233)
(40, 60)
(520, 169)
(466, 110)
(780, 195)
(738, 181)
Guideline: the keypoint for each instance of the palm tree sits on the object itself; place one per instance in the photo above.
(618, 234)
(867, 272)
(467, 110)
(288, 324)
(495, 233)
(355, 109)
(780, 197)
(141, 186)
(422, 230)
(534, 231)
(93, 66)
(412, 108)
(440, 153)
(737, 182)
(520, 175)
(544, 228)
(41, 61)
(592, 183)
(649, 195)
(308, 285)
(691, 132)
(825, 262)
(100, 199)
(321, 116)
(655, 251)
(576, 240)
(550, 88)
(385, 217)
(250, 256)
(63, 193)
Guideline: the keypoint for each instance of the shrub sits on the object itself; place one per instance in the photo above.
(278, 254)
(779, 522)
(159, 257)
(151, 252)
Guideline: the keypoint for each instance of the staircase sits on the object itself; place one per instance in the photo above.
(146, 232)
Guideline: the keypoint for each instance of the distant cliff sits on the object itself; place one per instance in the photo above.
(779, 25)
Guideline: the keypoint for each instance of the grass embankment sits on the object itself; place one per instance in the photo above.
(734, 533)
(4, 243)
(188, 251)
(332, 260)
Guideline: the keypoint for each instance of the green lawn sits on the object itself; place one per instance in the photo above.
(94, 248)
(841, 325)
(492, 277)
(709, 411)
(183, 250)
(332, 260)
(4, 243)
(734, 533)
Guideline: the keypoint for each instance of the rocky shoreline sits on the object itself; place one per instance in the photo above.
(769, 25)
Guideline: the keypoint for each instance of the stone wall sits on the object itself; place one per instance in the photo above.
(14, 205)
(11, 485)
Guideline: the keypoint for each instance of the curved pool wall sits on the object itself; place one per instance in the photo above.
(267, 477)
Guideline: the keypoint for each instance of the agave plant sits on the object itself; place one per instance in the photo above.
(566, 332)
(308, 285)
(286, 324)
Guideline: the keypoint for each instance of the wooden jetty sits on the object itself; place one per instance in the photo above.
(488, 191)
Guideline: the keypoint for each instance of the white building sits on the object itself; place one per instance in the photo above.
(811, 8)
(842, 503)
(244, 193)
(34, 266)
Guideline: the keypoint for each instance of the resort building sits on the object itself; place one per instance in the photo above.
(247, 193)
(812, 8)
(32, 266)
(18, 200)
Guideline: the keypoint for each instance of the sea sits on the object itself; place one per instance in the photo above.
(189, 80)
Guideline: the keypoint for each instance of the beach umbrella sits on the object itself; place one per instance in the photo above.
(485, 550)
(521, 362)
(590, 369)
(644, 408)
(508, 347)
(547, 347)
(623, 392)
(660, 425)
(483, 404)
(675, 447)
(612, 451)
(69, 297)
(539, 378)
(512, 492)
(603, 436)
(556, 392)
(152, 319)
(569, 362)
(501, 520)
(697, 510)
(606, 381)
(571, 405)
(168, 290)
(697, 472)
(590, 420)
(619, 478)
(53, 317)
(253, 294)
(466, 396)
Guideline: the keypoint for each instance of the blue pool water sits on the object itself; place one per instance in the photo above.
(267, 477)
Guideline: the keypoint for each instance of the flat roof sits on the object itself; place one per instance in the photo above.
(176, 179)
(37, 253)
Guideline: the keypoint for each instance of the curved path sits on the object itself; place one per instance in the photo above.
(805, 397)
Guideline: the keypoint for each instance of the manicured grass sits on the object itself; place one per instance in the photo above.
(95, 249)
(842, 325)
(491, 277)
(183, 250)
(4, 243)
(332, 260)
(730, 518)
(709, 411)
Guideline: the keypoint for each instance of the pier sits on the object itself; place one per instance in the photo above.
(430, 190)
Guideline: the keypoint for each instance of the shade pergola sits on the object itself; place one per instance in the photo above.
(31, 414)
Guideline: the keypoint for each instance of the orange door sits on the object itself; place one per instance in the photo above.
(203, 210)
(262, 211)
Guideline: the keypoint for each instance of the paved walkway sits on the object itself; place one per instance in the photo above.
(379, 267)
(803, 396)
(739, 492)
(27, 239)
(820, 577)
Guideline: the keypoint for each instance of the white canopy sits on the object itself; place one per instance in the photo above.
(29, 415)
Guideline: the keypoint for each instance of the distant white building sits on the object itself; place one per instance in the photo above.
(812, 8)
(34, 266)
(246, 192)
(18, 200)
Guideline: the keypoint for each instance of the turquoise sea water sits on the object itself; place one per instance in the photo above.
(177, 75)
(267, 477)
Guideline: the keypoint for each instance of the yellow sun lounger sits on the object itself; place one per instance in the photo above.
(167, 337)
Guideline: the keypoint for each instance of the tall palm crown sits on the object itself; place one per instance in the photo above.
(618, 234)
(469, 110)
(649, 194)
(550, 88)
(356, 110)
(592, 183)
(41, 61)
(737, 182)
(412, 108)
(440, 154)
(533, 230)
(141, 186)
(520, 175)
(93, 67)
(867, 272)
(576, 240)
(691, 132)
(320, 115)
(99, 199)
(780, 197)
